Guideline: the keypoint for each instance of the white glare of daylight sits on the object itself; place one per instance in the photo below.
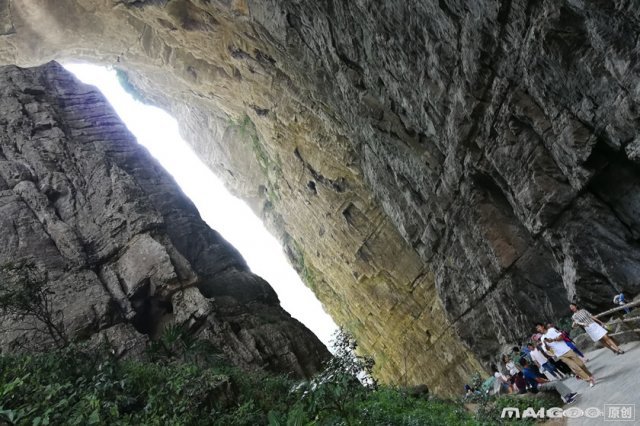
(158, 131)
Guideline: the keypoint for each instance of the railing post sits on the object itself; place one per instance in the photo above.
(622, 321)
(618, 308)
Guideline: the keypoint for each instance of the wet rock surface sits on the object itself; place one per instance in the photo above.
(442, 173)
(124, 252)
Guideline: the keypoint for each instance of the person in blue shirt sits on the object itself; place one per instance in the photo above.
(620, 300)
(535, 383)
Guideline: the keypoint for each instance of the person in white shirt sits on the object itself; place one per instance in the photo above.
(552, 339)
(542, 361)
(501, 382)
(510, 365)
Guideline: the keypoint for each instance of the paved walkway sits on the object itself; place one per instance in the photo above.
(617, 382)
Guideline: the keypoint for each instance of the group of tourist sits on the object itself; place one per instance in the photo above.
(549, 356)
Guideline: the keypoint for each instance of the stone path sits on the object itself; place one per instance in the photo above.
(617, 382)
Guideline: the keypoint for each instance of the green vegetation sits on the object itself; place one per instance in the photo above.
(271, 168)
(490, 410)
(247, 129)
(71, 386)
(308, 276)
(565, 324)
(24, 295)
(123, 79)
(244, 125)
(76, 385)
(297, 258)
(186, 381)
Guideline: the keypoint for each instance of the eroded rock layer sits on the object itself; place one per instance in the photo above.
(442, 173)
(122, 250)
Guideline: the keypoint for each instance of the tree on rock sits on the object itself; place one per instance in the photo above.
(24, 295)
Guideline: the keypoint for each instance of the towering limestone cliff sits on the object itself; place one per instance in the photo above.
(121, 249)
(442, 173)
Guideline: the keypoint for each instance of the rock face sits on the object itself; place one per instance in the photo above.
(121, 246)
(442, 173)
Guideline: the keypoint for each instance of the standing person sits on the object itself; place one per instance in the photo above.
(552, 339)
(553, 360)
(594, 328)
(569, 342)
(542, 361)
(620, 300)
(544, 385)
(516, 354)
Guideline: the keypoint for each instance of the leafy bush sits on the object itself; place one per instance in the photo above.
(345, 393)
(390, 406)
(565, 324)
(74, 387)
(177, 344)
(24, 295)
(334, 394)
(79, 386)
(490, 411)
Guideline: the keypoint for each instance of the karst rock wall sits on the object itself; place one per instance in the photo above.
(122, 250)
(441, 173)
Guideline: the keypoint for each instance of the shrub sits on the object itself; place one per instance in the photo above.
(390, 406)
(345, 393)
(333, 395)
(490, 412)
(24, 295)
(80, 386)
(177, 344)
(74, 387)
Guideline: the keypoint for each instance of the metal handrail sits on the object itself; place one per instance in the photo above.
(619, 308)
(635, 330)
(620, 321)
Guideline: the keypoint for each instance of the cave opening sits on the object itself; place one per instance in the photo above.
(149, 309)
(158, 132)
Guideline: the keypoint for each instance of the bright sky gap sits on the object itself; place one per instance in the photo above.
(236, 222)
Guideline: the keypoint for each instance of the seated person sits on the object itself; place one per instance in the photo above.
(468, 391)
(502, 383)
(487, 386)
(536, 383)
(520, 383)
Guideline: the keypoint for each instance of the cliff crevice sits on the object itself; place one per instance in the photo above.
(468, 140)
(123, 252)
